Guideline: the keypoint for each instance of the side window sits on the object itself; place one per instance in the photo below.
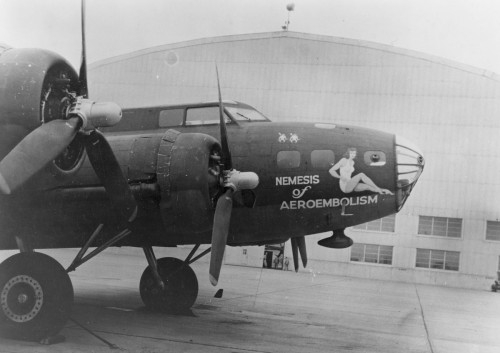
(493, 230)
(377, 254)
(438, 259)
(204, 116)
(171, 117)
(440, 226)
(386, 224)
(288, 159)
(322, 159)
(375, 158)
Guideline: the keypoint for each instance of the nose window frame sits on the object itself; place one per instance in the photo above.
(409, 166)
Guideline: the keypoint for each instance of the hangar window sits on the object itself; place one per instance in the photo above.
(322, 159)
(288, 159)
(375, 158)
(386, 224)
(438, 259)
(204, 116)
(377, 254)
(440, 226)
(171, 117)
(493, 230)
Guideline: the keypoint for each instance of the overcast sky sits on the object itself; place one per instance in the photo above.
(466, 31)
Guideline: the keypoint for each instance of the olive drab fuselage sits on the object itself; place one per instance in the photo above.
(166, 168)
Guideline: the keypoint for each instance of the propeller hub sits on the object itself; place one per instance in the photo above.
(95, 114)
(237, 180)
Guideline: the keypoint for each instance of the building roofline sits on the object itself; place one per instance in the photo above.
(305, 36)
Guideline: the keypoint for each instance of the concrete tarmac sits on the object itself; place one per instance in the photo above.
(265, 310)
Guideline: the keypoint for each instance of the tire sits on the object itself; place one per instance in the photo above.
(36, 296)
(181, 287)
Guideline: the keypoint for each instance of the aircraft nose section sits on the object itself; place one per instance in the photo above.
(410, 163)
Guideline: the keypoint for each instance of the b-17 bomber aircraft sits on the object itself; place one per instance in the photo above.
(75, 173)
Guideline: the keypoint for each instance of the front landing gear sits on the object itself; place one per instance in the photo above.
(36, 296)
(180, 286)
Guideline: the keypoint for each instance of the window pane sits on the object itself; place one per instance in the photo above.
(371, 253)
(452, 260)
(439, 226)
(454, 227)
(425, 225)
(373, 225)
(288, 159)
(437, 259)
(171, 117)
(385, 256)
(322, 159)
(205, 115)
(423, 257)
(357, 252)
(493, 230)
(388, 223)
(244, 114)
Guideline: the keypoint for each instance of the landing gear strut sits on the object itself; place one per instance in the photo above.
(169, 284)
(36, 296)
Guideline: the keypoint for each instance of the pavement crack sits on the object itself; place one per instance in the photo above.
(190, 342)
(423, 319)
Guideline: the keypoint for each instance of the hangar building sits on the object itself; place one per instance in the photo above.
(448, 233)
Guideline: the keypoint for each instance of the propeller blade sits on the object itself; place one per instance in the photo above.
(83, 85)
(35, 151)
(220, 231)
(108, 170)
(295, 253)
(301, 243)
(226, 154)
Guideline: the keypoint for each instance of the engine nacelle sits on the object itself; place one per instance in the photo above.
(34, 88)
(188, 176)
(33, 82)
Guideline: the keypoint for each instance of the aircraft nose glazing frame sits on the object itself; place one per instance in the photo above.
(410, 164)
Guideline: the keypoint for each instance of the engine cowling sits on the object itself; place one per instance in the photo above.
(188, 175)
(35, 86)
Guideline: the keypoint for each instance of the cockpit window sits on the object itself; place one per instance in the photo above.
(204, 116)
(171, 117)
(375, 158)
(245, 114)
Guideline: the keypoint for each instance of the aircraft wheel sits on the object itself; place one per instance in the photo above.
(36, 296)
(181, 286)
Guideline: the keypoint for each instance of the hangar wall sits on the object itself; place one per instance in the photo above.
(450, 110)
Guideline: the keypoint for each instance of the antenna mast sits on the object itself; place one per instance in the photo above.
(290, 7)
